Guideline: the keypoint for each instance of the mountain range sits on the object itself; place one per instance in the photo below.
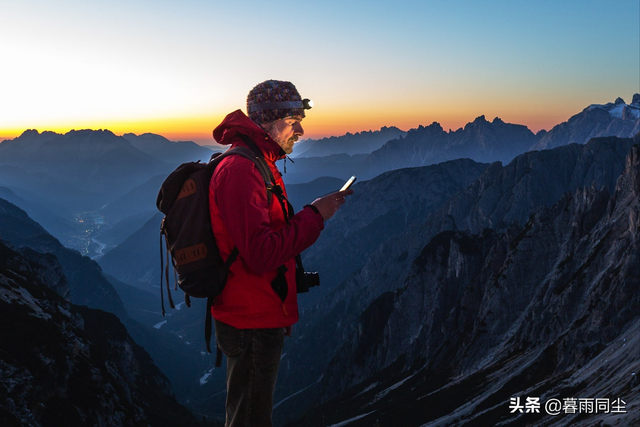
(611, 119)
(359, 143)
(469, 268)
(480, 140)
(82, 169)
(172, 152)
(476, 303)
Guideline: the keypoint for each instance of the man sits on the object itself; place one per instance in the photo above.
(258, 305)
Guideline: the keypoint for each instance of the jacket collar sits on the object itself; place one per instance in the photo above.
(237, 122)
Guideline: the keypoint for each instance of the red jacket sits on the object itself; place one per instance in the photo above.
(240, 217)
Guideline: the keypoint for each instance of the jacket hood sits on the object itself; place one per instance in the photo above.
(238, 122)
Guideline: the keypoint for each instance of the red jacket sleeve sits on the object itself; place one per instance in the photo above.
(263, 237)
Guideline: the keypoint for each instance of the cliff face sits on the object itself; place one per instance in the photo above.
(62, 364)
(545, 305)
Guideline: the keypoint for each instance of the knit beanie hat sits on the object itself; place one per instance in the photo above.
(272, 100)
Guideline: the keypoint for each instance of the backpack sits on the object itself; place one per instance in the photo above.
(199, 269)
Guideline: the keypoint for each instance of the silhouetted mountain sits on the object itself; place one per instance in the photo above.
(92, 166)
(611, 119)
(68, 365)
(42, 187)
(302, 194)
(359, 143)
(504, 195)
(215, 147)
(136, 260)
(141, 198)
(307, 169)
(562, 275)
(142, 306)
(111, 235)
(100, 178)
(53, 218)
(479, 140)
(171, 152)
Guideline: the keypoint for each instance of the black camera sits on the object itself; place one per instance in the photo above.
(306, 280)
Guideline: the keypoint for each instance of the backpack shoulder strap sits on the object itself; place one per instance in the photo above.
(254, 154)
(287, 209)
(261, 163)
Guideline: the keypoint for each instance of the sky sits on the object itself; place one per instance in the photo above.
(176, 68)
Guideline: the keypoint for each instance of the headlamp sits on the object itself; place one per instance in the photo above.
(305, 104)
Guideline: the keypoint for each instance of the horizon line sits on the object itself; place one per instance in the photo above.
(169, 128)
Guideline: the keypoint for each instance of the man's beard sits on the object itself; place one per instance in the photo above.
(287, 145)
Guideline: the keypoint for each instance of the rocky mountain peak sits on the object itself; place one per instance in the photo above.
(477, 125)
(479, 140)
(29, 133)
(610, 119)
(84, 133)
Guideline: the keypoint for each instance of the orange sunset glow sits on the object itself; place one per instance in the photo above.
(75, 66)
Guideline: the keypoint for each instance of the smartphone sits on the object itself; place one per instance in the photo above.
(348, 183)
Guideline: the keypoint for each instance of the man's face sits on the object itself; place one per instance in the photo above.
(285, 132)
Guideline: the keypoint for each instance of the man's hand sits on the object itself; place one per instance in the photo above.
(329, 204)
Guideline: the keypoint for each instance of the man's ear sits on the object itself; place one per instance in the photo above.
(268, 127)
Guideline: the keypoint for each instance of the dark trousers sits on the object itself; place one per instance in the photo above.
(253, 359)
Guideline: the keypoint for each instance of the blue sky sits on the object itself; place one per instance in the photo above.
(176, 68)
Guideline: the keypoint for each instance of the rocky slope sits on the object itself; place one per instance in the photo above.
(379, 210)
(62, 364)
(86, 282)
(547, 310)
(86, 285)
(476, 291)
